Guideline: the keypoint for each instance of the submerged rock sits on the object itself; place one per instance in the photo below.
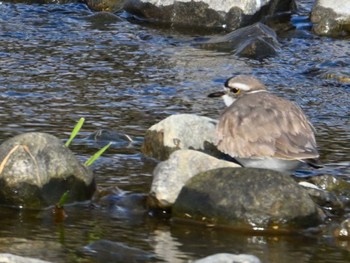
(10, 258)
(257, 41)
(105, 5)
(331, 18)
(229, 14)
(181, 131)
(228, 258)
(171, 175)
(36, 169)
(109, 251)
(246, 197)
(118, 139)
(337, 71)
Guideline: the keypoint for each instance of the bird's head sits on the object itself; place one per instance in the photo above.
(238, 86)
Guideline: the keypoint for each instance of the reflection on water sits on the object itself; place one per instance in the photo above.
(62, 62)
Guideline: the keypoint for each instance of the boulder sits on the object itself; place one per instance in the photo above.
(36, 169)
(181, 131)
(246, 198)
(228, 258)
(229, 14)
(257, 41)
(171, 175)
(331, 18)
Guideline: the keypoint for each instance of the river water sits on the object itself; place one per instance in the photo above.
(59, 63)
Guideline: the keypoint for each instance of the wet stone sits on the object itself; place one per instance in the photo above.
(257, 41)
(36, 169)
(239, 197)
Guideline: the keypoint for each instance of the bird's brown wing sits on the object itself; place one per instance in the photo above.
(271, 126)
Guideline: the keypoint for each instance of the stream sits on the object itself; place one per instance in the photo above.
(59, 63)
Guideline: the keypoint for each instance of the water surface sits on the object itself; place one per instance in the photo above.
(62, 62)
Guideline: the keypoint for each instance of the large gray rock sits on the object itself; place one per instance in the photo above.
(228, 258)
(230, 14)
(257, 41)
(331, 18)
(36, 169)
(246, 197)
(181, 131)
(171, 175)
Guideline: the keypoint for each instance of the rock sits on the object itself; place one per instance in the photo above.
(9, 258)
(342, 231)
(170, 176)
(105, 5)
(36, 169)
(327, 200)
(181, 131)
(118, 139)
(331, 18)
(120, 204)
(229, 14)
(228, 258)
(100, 20)
(109, 251)
(257, 41)
(30, 250)
(330, 192)
(337, 71)
(246, 197)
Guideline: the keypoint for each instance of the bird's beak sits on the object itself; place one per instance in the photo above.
(216, 94)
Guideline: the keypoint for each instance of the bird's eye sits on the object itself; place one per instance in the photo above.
(234, 90)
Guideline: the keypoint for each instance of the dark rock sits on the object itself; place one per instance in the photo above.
(120, 204)
(207, 13)
(331, 18)
(327, 200)
(36, 169)
(246, 197)
(180, 131)
(330, 192)
(257, 41)
(171, 175)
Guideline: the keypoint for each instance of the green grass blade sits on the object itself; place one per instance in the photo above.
(97, 155)
(75, 131)
(63, 199)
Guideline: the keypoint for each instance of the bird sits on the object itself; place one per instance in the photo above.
(261, 130)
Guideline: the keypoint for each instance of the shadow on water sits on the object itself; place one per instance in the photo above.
(59, 63)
